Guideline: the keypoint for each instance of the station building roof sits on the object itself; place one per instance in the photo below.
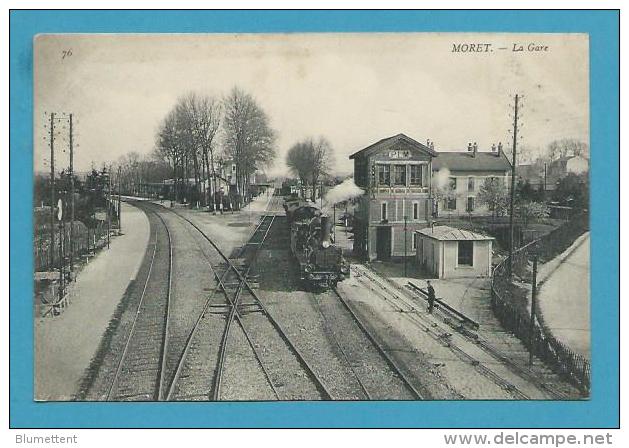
(469, 161)
(447, 233)
(390, 141)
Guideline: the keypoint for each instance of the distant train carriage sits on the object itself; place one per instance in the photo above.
(321, 263)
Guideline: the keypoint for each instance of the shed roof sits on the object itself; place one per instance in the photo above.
(465, 161)
(447, 233)
(386, 142)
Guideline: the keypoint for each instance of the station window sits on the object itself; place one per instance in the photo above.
(399, 174)
(470, 204)
(415, 210)
(383, 211)
(414, 241)
(451, 203)
(466, 253)
(416, 175)
(470, 184)
(384, 174)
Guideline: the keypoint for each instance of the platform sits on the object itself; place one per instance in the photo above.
(65, 344)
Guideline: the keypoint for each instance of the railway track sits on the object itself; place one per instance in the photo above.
(240, 305)
(506, 360)
(383, 370)
(140, 370)
(401, 304)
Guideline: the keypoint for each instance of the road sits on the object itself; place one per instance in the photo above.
(564, 299)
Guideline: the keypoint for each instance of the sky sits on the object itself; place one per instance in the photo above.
(353, 89)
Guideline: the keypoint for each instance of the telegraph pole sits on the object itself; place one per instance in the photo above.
(71, 200)
(108, 205)
(52, 188)
(515, 140)
(119, 209)
(62, 235)
(405, 244)
(533, 306)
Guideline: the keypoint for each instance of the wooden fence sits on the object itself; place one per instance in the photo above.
(572, 366)
(84, 241)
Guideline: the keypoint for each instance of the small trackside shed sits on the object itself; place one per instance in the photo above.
(448, 252)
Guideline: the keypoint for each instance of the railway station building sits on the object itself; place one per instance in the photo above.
(395, 173)
(408, 186)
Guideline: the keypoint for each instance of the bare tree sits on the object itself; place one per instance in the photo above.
(323, 158)
(298, 161)
(310, 160)
(249, 139)
(137, 171)
(567, 147)
(186, 140)
(168, 145)
(526, 154)
(200, 119)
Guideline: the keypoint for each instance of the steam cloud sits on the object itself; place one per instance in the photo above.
(342, 192)
(442, 177)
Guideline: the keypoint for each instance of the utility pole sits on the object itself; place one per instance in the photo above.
(515, 140)
(533, 306)
(119, 209)
(405, 244)
(71, 200)
(333, 221)
(52, 188)
(62, 235)
(108, 205)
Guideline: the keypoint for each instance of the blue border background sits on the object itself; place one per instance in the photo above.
(601, 411)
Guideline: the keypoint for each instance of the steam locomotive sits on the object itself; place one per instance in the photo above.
(321, 263)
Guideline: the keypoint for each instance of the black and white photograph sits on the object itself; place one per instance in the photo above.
(311, 216)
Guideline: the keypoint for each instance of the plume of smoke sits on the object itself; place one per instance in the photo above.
(442, 178)
(344, 191)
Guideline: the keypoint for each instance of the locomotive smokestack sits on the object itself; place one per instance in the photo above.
(326, 231)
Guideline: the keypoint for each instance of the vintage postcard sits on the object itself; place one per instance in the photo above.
(305, 217)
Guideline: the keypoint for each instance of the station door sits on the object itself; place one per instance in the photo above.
(383, 243)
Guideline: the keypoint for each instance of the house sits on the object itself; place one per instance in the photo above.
(448, 252)
(459, 175)
(545, 176)
(560, 168)
(396, 174)
(226, 169)
(534, 174)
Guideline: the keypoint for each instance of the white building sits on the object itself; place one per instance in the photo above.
(447, 252)
(459, 176)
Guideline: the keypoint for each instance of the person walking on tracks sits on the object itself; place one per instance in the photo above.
(431, 297)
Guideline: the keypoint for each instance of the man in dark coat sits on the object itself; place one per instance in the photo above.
(431, 297)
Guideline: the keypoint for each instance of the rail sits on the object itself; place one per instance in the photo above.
(159, 387)
(383, 352)
(397, 302)
(457, 314)
(244, 285)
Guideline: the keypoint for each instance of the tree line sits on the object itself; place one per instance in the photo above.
(555, 150)
(195, 139)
